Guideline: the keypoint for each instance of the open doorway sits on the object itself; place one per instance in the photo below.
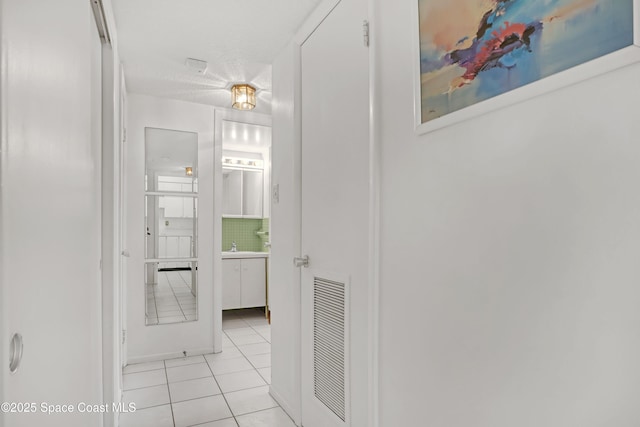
(242, 200)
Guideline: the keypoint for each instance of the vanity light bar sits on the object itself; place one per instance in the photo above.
(244, 163)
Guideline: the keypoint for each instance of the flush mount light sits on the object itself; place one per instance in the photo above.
(188, 171)
(243, 97)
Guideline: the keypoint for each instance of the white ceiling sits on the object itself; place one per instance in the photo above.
(238, 38)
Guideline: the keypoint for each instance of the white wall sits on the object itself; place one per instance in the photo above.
(162, 341)
(509, 271)
(284, 279)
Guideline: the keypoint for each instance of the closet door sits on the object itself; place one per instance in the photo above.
(335, 220)
(50, 219)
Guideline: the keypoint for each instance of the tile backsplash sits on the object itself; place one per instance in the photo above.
(243, 232)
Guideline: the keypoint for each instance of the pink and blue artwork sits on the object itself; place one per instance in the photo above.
(473, 50)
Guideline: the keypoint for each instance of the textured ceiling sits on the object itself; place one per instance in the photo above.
(238, 38)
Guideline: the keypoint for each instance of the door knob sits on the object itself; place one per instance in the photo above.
(301, 262)
(15, 352)
(125, 253)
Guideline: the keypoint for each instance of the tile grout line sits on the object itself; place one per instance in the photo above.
(222, 392)
(155, 303)
(179, 303)
(173, 417)
(175, 296)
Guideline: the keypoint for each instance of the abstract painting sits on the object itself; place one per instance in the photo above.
(474, 50)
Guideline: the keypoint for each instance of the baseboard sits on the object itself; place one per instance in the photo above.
(163, 356)
(285, 406)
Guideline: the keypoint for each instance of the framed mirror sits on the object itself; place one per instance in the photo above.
(171, 226)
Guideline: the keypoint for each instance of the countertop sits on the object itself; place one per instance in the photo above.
(244, 254)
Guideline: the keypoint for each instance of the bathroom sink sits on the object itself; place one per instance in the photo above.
(244, 254)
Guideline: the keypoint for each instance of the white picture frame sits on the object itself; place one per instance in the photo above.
(576, 74)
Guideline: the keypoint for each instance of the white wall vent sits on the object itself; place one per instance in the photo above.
(330, 345)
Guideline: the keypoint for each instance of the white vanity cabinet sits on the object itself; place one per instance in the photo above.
(243, 282)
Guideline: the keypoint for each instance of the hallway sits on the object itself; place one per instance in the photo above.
(229, 389)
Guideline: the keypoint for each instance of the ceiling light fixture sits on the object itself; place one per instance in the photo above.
(188, 170)
(243, 97)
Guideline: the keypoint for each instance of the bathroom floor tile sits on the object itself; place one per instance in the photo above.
(229, 422)
(200, 411)
(234, 323)
(227, 343)
(193, 389)
(261, 321)
(239, 381)
(253, 338)
(250, 400)
(159, 416)
(227, 366)
(259, 348)
(265, 373)
(262, 328)
(181, 361)
(270, 417)
(144, 379)
(188, 372)
(147, 397)
(260, 360)
(226, 353)
(240, 331)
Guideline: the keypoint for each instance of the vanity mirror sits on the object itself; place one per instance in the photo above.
(242, 192)
(171, 226)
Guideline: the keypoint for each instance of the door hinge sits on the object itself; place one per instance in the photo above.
(365, 32)
(124, 134)
(124, 336)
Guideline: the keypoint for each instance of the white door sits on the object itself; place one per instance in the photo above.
(335, 211)
(50, 209)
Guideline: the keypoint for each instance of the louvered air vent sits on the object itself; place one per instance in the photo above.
(329, 344)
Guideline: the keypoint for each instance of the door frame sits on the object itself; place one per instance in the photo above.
(221, 114)
(314, 20)
(112, 185)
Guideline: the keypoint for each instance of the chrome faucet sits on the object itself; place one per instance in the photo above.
(234, 247)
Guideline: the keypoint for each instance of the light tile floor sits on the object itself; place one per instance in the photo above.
(171, 300)
(229, 389)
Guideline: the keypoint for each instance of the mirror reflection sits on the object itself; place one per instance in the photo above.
(171, 220)
(242, 191)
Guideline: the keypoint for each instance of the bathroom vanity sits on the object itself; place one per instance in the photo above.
(244, 280)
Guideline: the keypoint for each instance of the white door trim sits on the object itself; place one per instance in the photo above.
(374, 219)
(314, 20)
